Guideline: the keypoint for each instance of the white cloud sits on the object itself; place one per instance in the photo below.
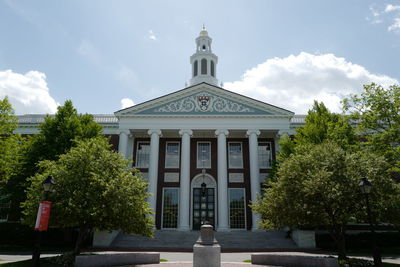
(151, 35)
(395, 26)
(28, 93)
(87, 50)
(295, 82)
(126, 103)
(390, 8)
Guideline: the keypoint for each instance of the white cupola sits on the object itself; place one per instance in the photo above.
(203, 61)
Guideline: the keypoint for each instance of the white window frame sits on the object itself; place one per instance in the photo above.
(270, 155)
(197, 155)
(137, 154)
(179, 154)
(229, 156)
(245, 209)
(162, 208)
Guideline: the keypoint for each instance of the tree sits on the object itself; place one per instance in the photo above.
(57, 135)
(9, 142)
(318, 186)
(95, 190)
(376, 113)
(320, 125)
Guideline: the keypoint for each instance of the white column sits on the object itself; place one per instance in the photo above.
(254, 171)
(123, 142)
(222, 181)
(153, 166)
(184, 190)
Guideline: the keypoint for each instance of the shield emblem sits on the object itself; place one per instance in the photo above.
(204, 101)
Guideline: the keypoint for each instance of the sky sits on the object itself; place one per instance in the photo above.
(108, 55)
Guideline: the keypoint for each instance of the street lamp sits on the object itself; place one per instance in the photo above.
(42, 219)
(365, 187)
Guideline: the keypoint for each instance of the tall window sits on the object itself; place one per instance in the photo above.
(212, 68)
(204, 66)
(170, 208)
(264, 155)
(195, 66)
(172, 155)
(235, 155)
(143, 154)
(237, 210)
(204, 155)
(4, 210)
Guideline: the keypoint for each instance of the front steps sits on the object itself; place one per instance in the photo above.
(183, 241)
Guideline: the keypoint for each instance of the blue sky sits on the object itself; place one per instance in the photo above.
(286, 53)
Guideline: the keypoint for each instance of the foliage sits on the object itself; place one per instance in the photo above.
(10, 149)
(57, 135)
(95, 190)
(318, 186)
(354, 262)
(376, 113)
(320, 125)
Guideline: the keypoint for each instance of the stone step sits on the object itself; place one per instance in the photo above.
(233, 240)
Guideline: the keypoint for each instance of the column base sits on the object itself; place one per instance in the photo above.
(223, 229)
(257, 230)
(184, 228)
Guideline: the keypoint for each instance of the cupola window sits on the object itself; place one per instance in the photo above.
(212, 68)
(195, 68)
(204, 48)
(204, 66)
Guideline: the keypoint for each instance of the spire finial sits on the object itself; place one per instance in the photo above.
(204, 27)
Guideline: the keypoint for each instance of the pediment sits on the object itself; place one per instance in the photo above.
(203, 99)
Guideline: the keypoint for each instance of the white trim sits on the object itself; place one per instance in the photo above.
(211, 183)
(245, 209)
(136, 156)
(179, 155)
(197, 156)
(229, 158)
(162, 209)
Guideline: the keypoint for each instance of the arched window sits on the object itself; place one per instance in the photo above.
(204, 66)
(212, 68)
(195, 69)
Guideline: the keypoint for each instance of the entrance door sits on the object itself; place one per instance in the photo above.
(203, 207)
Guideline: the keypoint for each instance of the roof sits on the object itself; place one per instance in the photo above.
(39, 118)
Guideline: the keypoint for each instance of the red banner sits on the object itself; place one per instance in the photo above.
(43, 215)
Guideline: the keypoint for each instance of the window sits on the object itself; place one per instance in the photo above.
(195, 68)
(143, 154)
(204, 155)
(204, 66)
(212, 68)
(170, 208)
(264, 155)
(235, 155)
(4, 209)
(172, 155)
(237, 212)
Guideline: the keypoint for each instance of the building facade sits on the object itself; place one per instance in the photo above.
(205, 151)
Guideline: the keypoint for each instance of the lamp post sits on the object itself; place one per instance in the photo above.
(42, 219)
(365, 187)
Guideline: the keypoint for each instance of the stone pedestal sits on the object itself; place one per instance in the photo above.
(206, 251)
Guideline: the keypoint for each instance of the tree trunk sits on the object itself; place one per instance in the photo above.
(338, 234)
(83, 232)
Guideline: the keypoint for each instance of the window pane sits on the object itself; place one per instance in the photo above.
(237, 208)
(203, 155)
(143, 155)
(172, 155)
(204, 66)
(264, 155)
(235, 155)
(170, 208)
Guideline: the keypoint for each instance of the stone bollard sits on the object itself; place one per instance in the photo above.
(206, 251)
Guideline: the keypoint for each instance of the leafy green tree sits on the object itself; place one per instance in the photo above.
(320, 125)
(318, 186)
(95, 190)
(57, 135)
(376, 114)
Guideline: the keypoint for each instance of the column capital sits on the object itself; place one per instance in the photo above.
(282, 132)
(253, 131)
(124, 131)
(185, 131)
(154, 131)
(221, 131)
